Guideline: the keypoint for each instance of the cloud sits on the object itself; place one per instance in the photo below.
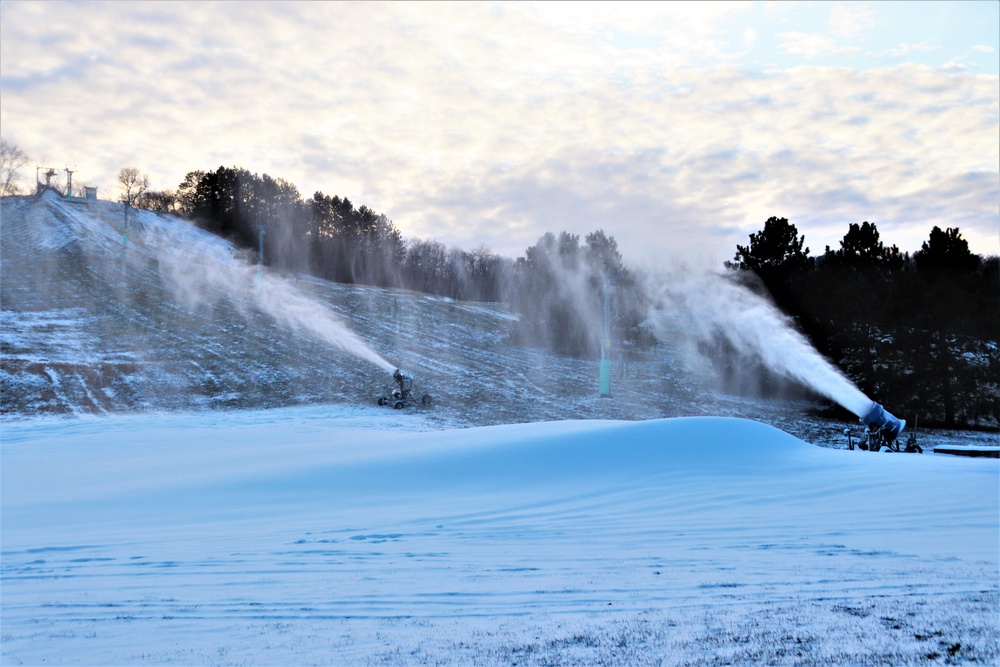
(812, 45)
(474, 123)
(984, 48)
(905, 49)
(849, 21)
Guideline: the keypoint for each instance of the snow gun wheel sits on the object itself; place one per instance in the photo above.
(426, 399)
(381, 401)
(397, 405)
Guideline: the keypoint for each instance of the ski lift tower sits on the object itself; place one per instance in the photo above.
(49, 173)
(125, 226)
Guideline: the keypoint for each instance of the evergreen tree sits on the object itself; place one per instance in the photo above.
(776, 249)
(861, 248)
(946, 252)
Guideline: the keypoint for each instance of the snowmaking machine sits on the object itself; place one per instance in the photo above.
(883, 430)
(402, 392)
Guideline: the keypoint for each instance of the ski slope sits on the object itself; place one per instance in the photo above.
(357, 536)
(102, 318)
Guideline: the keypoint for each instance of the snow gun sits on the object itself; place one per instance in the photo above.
(878, 419)
(882, 430)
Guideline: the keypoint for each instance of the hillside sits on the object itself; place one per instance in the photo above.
(169, 317)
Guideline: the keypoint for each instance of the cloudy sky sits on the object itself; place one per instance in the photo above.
(676, 127)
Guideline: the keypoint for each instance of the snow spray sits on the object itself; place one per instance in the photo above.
(289, 306)
(200, 268)
(710, 305)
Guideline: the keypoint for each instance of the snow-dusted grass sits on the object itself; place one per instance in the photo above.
(362, 536)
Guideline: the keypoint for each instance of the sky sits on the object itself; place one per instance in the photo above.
(678, 128)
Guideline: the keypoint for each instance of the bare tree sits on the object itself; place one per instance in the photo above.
(157, 200)
(133, 185)
(12, 159)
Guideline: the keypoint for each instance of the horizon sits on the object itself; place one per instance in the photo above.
(667, 265)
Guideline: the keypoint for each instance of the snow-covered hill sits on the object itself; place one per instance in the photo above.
(346, 537)
(161, 315)
(100, 318)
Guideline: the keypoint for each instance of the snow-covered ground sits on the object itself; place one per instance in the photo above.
(355, 536)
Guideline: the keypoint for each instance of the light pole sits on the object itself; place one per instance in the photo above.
(605, 378)
(261, 229)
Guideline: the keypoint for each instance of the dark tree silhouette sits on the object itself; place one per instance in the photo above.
(862, 249)
(776, 248)
(946, 251)
(157, 200)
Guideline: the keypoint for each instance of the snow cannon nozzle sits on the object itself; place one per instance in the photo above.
(879, 419)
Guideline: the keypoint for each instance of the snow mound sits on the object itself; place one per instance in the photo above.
(299, 536)
(208, 468)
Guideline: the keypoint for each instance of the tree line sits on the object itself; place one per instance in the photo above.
(919, 333)
(556, 288)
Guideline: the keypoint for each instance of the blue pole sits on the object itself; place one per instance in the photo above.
(605, 379)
